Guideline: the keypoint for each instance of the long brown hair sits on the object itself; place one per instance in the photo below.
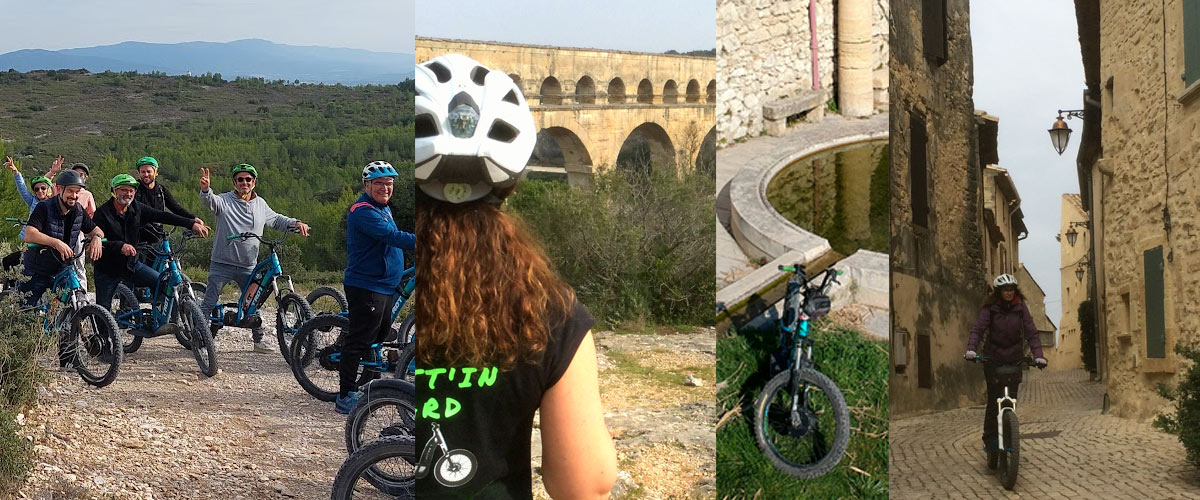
(488, 293)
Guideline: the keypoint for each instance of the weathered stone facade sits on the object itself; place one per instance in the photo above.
(763, 54)
(938, 273)
(1143, 199)
(1067, 353)
(1035, 300)
(1003, 221)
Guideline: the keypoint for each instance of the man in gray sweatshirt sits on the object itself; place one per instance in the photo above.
(239, 211)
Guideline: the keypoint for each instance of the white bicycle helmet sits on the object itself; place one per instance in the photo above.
(1004, 279)
(474, 131)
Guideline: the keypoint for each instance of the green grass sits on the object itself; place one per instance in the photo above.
(860, 369)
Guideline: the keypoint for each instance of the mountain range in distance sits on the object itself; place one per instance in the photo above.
(246, 58)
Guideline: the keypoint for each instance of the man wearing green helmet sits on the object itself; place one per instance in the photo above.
(154, 194)
(239, 211)
(121, 218)
(41, 191)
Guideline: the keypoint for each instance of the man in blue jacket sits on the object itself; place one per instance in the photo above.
(374, 262)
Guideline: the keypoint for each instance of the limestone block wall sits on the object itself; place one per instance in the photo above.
(1149, 141)
(763, 53)
(532, 65)
(1068, 354)
(937, 271)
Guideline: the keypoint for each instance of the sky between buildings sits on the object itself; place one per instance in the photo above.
(377, 25)
(1028, 66)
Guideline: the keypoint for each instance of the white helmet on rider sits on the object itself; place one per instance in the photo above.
(1003, 280)
(474, 131)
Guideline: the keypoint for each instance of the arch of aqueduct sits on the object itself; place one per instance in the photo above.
(592, 101)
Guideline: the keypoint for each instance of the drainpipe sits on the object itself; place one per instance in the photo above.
(812, 45)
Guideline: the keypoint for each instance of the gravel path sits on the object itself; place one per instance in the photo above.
(162, 430)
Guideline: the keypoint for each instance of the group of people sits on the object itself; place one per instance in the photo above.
(63, 217)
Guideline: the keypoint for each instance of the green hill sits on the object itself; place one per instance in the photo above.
(309, 142)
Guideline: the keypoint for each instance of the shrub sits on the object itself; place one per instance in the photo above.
(1186, 421)
(1087, 335)
(22, 346)
(636, 244)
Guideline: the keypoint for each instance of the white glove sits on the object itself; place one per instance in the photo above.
(970, 355)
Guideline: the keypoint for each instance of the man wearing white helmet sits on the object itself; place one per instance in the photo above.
(1010, 326)
(502, 335)
(374, 263)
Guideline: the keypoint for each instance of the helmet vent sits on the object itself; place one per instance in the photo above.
(502, 131)
(478, 74)
(462, 98)
(442, 73)
(425, 126)
(511, 97)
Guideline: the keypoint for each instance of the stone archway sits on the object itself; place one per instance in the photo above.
(693, 91)
(670, 93)
(551, 91)
(561, 154)
(517, 80)
(616, 91)
(712, 91)
(706, 158)
(648, 145)
(645, 93)
(585, 90)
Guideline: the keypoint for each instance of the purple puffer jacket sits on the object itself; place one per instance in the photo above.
(1007, 323)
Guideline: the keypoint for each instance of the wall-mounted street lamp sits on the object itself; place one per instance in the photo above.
(1060, 133)
(1072, 234)
(1080, 271)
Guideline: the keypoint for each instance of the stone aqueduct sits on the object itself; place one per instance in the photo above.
(591, 101)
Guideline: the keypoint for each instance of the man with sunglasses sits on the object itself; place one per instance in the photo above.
(239, 211)
(41, 191)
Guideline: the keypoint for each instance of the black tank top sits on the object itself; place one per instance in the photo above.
(485, 417)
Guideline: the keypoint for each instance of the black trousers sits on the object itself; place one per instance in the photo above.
(370, 320)
(10, 261)
(995, 389)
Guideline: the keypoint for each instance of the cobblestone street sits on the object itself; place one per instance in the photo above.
(1068, 450)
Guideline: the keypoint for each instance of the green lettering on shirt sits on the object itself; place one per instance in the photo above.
(452, 407)
(429, 409)
(467, 377)
(486, 378)
(433, 374)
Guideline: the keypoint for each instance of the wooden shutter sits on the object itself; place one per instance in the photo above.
(933, 29)
(918, 170)
(1156, 333)
(1191, 41)
(924, 364)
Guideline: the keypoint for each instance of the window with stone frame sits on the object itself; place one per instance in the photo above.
(933, 30)
(1191, 41)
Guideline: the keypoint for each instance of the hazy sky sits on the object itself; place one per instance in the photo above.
(1028, 66)
(378, 25)
(634, 25)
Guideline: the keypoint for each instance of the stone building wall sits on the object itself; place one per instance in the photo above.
(1067, 355)
(1152, 151)
(763, 54)
(938, 281)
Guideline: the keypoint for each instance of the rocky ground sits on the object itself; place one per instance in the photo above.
(663, 423)
(164, 431)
